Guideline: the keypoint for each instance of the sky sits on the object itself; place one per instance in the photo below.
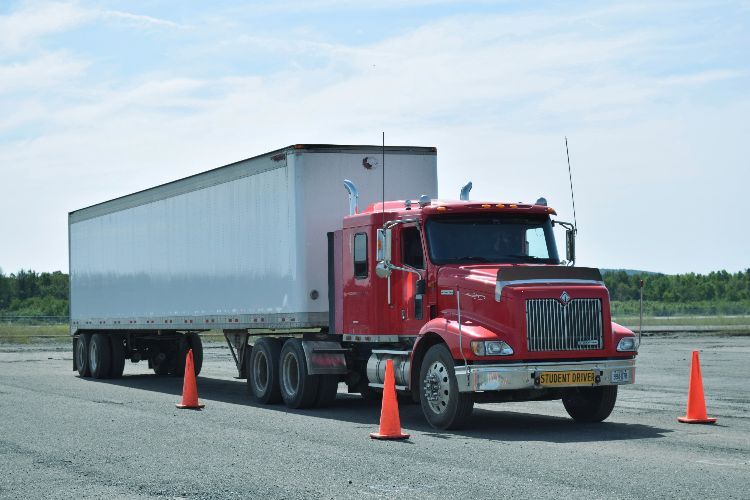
(103, 98)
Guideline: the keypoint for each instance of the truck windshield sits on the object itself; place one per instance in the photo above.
(491, 238)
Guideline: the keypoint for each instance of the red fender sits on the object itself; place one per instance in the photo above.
(449, 333)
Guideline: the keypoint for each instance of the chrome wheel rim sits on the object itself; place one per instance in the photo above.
(290, 374)
(260, 372)
(81, 353)
(437, 390)
(93, 360)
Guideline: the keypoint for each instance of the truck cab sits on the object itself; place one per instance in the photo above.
(472, 303)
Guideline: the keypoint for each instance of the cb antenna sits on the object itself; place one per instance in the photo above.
(570, 176)
(383, 154)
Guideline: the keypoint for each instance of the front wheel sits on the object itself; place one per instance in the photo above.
(590, 404)
(443, 406)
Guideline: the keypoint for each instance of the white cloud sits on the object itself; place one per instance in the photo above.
(50, 69)
(139, 19)
(22, 28)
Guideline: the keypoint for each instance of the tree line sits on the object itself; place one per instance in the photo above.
(28, 293)
(679, 288)
(718, 292)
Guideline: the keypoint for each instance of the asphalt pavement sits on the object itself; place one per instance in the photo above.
(62, 436)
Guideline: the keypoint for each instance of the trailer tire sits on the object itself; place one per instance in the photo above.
(590, 404)
(100, 355)
(190, 340)
(263, 377)
(118, 356)
(82, 354)
(447, 408)
(328, 387)
(299, 389)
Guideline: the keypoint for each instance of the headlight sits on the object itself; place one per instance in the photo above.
(491, 348)
(627, 344)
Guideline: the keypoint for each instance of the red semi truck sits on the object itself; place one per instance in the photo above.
(469, 299)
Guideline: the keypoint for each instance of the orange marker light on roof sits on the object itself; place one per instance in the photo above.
(486, 205)
(440, 209)
(500, 205)
(514, 206)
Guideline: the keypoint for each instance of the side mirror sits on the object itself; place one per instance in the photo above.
(384, 245)
(420, 289)
(570, 245)
(383, 254)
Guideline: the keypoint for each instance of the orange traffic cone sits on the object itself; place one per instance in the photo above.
(390, 423)
(696, 407)
(189, 388)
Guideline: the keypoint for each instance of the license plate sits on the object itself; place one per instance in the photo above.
(551, 379)
(620, 376)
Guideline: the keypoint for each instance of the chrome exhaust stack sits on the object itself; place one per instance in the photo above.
(353, 196)
(465, 191)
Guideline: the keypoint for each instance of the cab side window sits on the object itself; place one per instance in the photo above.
(360, 255)
(411, 248)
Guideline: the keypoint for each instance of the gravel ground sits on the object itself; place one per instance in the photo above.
(67, 437)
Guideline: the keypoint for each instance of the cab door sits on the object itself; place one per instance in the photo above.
(358, 253)
(409, 307)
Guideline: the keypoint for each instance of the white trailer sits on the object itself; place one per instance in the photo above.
(239, 247)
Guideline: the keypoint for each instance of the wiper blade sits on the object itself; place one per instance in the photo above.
(475, 258)
(522, 257)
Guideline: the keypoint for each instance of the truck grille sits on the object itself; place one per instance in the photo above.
(551, 326)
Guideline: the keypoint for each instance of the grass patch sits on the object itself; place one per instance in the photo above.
(26, 334)
(684, 320)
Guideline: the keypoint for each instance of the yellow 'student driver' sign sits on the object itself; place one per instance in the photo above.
(567, 378)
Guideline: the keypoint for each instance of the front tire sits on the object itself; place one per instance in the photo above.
(590, 404)
(298, 388)
(443, 406)
(100, 355)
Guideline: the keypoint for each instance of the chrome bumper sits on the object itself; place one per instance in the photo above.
(473, 378)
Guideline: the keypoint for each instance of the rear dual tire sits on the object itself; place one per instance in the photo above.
(263, 373)
(81, 353)
(299, 389)
(277, 370)
(189, 341)
(100, 355)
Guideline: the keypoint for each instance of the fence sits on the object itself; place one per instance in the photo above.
(34, 320)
